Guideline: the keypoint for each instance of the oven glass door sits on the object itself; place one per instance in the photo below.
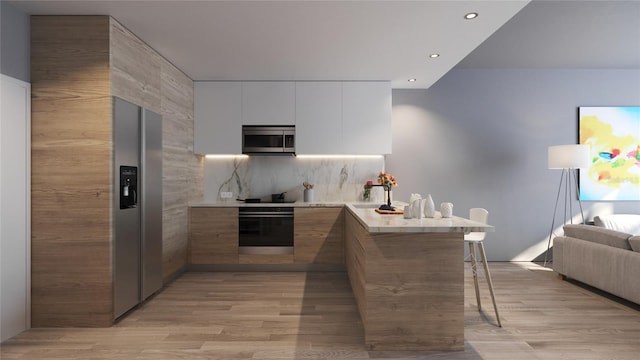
(266, 230)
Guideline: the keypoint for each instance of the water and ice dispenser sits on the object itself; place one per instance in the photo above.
(128, 187)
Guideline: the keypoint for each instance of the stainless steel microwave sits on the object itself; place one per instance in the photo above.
(268, 140)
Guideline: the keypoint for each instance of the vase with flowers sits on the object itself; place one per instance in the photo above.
(366, 195)
(388, 181)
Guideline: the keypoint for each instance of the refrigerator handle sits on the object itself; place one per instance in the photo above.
(135, 197)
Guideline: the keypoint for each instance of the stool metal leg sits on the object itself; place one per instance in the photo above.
(474, 270)
(489, 282)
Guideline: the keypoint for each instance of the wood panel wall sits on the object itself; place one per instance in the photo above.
(70, 172)
(78, 64)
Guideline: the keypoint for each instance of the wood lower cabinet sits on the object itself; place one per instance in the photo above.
(318, 235)
(213, 236)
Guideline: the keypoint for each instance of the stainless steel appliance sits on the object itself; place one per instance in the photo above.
(265, 230)
(268, 140)
(137, 250)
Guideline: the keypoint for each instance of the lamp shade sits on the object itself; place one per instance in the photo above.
(569, 156)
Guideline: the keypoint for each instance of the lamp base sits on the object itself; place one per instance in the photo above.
(386, 207)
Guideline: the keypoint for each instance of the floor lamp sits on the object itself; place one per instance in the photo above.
(568, 158)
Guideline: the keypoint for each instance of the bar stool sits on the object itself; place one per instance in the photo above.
(475, 239)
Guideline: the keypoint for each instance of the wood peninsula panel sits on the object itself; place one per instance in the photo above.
(356, 262)
(70, 172)
(413, 288)
(213, 236)
(318, 235)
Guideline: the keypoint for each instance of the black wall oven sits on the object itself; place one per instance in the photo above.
(265, 230)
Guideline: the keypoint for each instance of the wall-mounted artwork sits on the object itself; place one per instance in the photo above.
(613, 133)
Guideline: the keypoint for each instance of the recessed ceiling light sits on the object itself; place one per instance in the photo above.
(433, 56)
(471, 15)
(412, 80)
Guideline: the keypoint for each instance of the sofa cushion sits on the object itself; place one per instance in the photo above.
(634, 241)
(629, 223)
(598, 235)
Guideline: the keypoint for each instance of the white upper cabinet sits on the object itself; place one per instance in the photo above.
(319, 117)
(268, 103)
(331, 117)
(218, 117)
(366, 117)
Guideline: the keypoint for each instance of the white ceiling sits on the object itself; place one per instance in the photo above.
(372, 40)
(303, 40)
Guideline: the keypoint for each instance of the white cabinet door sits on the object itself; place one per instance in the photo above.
(268, 103)
(319, 117)
(217, 117)
(366, 117)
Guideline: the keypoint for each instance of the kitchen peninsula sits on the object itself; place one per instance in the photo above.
(407, 275)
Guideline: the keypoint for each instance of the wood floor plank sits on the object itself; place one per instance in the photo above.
(297, 315)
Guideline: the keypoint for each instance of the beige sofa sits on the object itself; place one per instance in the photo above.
(601, 257)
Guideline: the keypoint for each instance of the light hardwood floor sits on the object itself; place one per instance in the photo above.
(281, 316)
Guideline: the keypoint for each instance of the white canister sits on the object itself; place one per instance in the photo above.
(407, 212)
(446, 209)
(308, 195)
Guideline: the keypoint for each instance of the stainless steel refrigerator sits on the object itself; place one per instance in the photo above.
(137, 184)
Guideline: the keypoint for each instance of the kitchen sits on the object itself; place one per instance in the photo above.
(191, 179)
(132, 71)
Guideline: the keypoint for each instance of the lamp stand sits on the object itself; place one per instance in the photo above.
(569, 186)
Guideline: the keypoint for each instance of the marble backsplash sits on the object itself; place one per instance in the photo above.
(334, 179)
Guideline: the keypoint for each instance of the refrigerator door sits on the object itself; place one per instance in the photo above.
(126, 248)
(151, 203)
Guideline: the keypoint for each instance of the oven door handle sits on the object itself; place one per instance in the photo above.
(266, 215)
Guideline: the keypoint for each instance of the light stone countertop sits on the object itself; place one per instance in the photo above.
(379, 223)
(235, 203)
(371, 220)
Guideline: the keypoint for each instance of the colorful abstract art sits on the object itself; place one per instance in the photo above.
(613, 134)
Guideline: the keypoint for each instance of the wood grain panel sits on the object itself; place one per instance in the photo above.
(356, 262)
(182, 170)
(78, 64)
(213, 236)
(413, 288)
(71, 167)
(318, 236)
(135, 69)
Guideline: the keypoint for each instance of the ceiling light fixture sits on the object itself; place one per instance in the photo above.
(471, 15)
(412, 80)
(433, 56)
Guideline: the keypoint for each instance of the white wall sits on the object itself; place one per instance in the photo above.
(15, 236)
(479, 138)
